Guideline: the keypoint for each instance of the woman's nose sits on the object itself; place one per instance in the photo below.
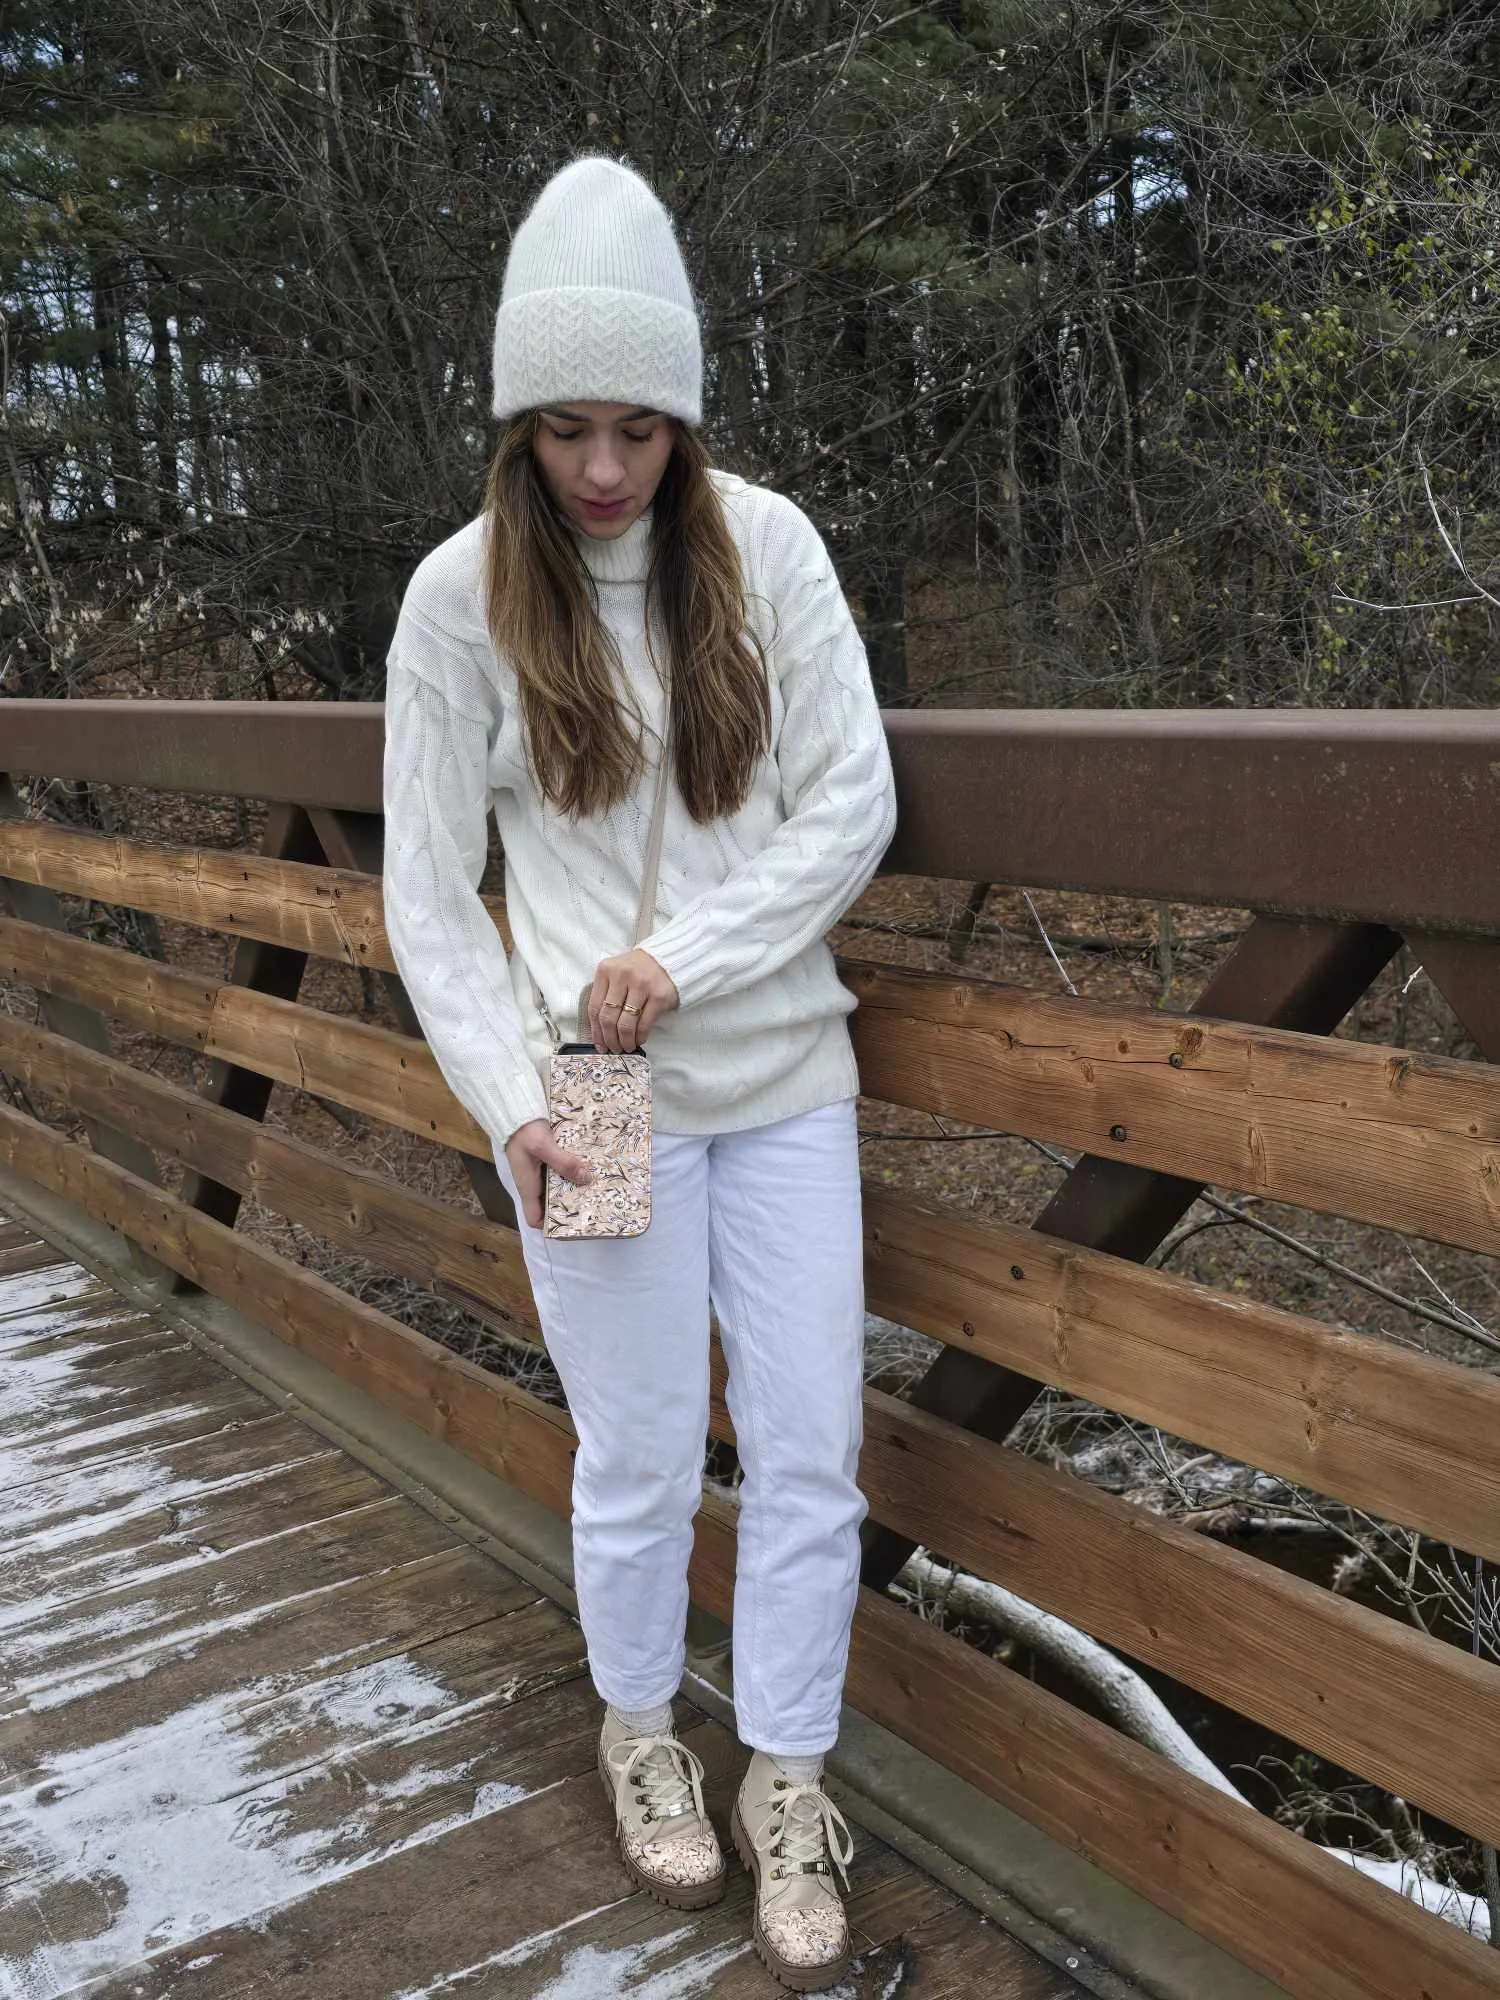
(604, 469)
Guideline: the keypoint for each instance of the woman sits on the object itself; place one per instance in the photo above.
(617, 591)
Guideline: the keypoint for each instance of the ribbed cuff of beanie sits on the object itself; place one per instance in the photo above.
(587, 343)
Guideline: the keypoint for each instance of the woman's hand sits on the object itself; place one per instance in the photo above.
(528, 1149)
(630, 994)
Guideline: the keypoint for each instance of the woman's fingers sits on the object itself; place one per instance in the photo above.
(651, 1012)
(529, 1149)
(629, 995)
(572, 1166)
(627, 1025)
(605, 1017)
(528, 1177)
(614, 1029)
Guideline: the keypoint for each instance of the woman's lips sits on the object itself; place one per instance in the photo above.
(602, 510)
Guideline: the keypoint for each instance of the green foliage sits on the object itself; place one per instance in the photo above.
(1358, 403)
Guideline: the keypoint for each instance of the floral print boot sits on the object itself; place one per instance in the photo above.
(667, 1841)
(791, 1838)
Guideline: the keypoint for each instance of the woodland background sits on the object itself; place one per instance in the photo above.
(1125, 355)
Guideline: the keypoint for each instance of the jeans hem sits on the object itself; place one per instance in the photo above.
(779, 1747)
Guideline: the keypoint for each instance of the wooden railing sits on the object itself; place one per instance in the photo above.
(1345, 835)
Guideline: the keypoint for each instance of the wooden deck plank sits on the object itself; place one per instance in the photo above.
(148, 1546)
(111, 1634)
(21, 1340)
(567, 1912)
(567, 1921)
(955, 1956)
(483, 1888)
(50, 1377)
(352, 1621)
(65, 1507)
(54, 1357)
(20, 1257)
(64, 1395)
(114, 1436)
(32, 1290)
(266, 1723)
(222, 1834)
(294, 1723)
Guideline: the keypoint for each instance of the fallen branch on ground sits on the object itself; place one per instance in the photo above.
(1140, 1713)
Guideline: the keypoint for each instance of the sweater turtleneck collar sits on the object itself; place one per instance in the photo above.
(618, 558)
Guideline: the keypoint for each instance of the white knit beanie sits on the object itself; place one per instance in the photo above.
(596, 305)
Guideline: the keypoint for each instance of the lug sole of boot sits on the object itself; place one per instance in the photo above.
(796, 1978)
(675, 1895)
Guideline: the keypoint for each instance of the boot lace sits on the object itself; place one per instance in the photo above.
(805, 1829)
(667, 1775)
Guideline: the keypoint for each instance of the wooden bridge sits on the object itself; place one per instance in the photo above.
(289, 1692)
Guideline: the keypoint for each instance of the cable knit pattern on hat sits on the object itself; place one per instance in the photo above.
(742, 903)
(596, 304)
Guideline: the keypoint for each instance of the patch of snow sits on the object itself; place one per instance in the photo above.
(125, 1490)
(39, 1458)
(36, 1291)
(38, 1609)
(588, 1972)
(47, 1690)
(176, 1829)
(625, 1973)
(1468, 1913)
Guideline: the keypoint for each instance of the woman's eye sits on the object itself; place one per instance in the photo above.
(640, 437)
(565, 437)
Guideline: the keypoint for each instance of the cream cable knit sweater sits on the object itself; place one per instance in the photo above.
(742, 904)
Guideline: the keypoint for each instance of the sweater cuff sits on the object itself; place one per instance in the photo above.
(688, 950)
(510, 1102)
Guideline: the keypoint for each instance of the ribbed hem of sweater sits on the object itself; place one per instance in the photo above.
(826, 1075)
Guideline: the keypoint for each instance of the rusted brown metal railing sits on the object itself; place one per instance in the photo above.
(1344, 835)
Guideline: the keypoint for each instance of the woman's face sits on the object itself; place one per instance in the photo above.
(602, 461)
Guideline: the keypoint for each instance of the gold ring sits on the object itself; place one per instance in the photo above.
(630, 1010)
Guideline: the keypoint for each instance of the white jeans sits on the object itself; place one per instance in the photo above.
(766, 1224)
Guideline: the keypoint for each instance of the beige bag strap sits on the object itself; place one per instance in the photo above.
(645, 914)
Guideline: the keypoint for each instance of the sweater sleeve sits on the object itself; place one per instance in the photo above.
(440, 714)
(837, 789)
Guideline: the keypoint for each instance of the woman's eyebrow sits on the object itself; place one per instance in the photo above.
(572, 416)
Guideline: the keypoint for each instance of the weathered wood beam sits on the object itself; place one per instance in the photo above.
(1299, 975)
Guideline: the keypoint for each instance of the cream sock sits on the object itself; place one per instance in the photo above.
(801, 1770)
(644, 1721)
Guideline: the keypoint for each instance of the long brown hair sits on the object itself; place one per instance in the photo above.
(540, 605)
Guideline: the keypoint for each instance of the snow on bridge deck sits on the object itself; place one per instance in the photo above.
(266, 1725)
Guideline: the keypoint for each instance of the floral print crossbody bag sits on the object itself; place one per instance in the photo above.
(600, 1101)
